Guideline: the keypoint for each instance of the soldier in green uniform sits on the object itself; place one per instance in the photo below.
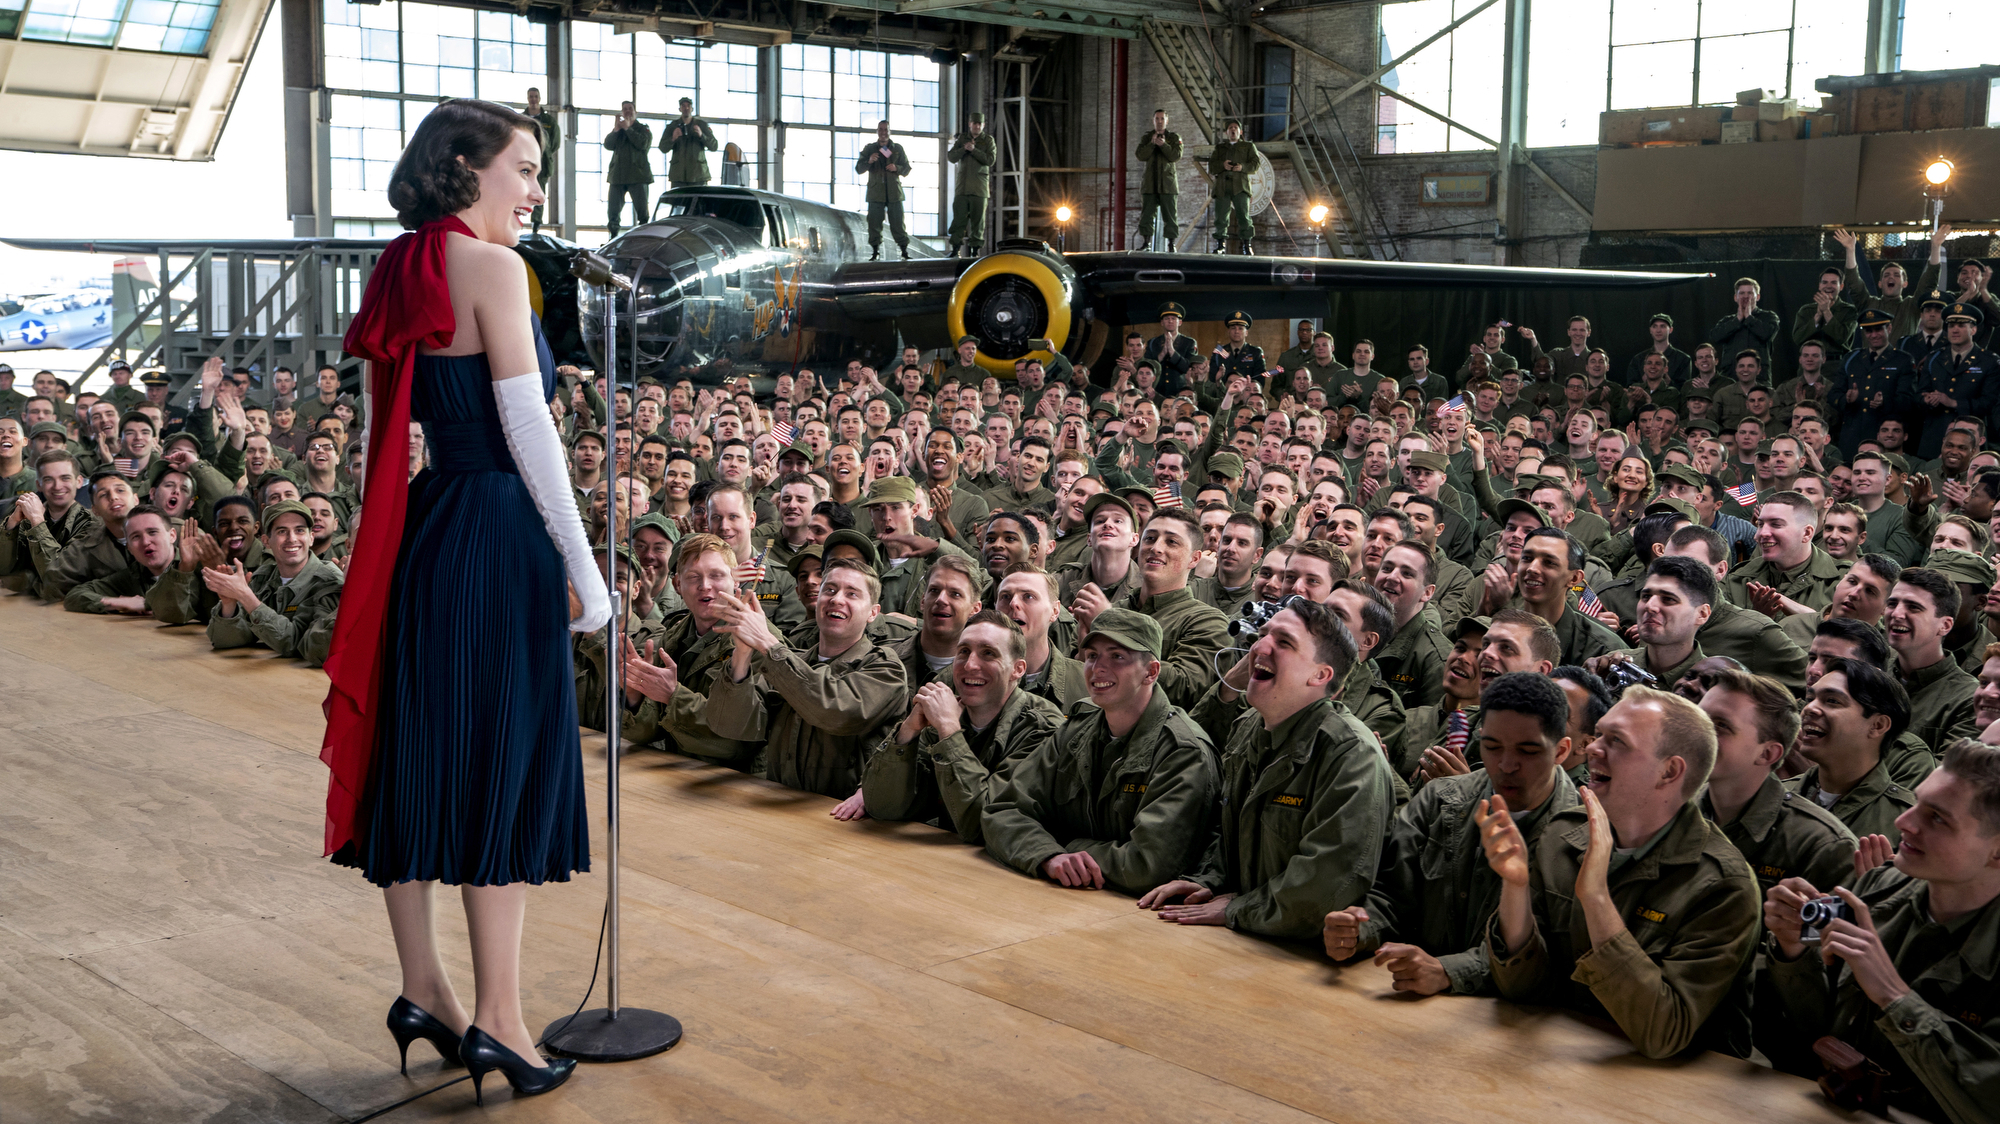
(687, 140)
(631, 173)
(1307, 796)
(1159, 182)
(123, 394)
(289, 604)
(973, 152)
(148, 552)
(546, 132)
(1853, 715)
(885, 165)
(1229, 168)
(41, 524)
(1123, 794)
(11, 400)
(1238, 356)
(677, 675)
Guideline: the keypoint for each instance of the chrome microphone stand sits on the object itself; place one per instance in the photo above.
(612, 1033)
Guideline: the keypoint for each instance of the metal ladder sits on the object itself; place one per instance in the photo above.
(1191, 63)
(1331, 169)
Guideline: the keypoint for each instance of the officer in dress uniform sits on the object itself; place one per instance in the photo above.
(1172, 352)
(1229, 168)
(885, 165)
(687, 140)
(1957, 379)
(973, 151)
(1238, 357)
(1159, 182)
(1870, 385)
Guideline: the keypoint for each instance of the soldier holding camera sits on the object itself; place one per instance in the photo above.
(1899, 972)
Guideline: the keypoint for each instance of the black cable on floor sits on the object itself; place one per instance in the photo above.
(597, 962)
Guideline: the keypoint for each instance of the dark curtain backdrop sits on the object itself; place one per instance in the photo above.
(1450, 322)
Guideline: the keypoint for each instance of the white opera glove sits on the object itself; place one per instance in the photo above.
(538, 453)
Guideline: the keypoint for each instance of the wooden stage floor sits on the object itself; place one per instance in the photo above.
(172, 948)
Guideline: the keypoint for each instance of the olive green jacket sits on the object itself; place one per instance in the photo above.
(682, 723)
(817, 718)
(950, 781)
(1159, 173)
(1584, 636)
(1412, 663)
(1379, 708)
(885, 177)
(1889, 533)
(687, 160)
(130, 580)
(1142, 806)
(1782, 834)
(183, 597)
(1941, 703)
(587, 651)
(1061, 682)
(1754, 640)
(90, 554)
(1226, 182)
(1305, 810)
(903, 585)
(630, 160)
(28, 554)
(1435, 888)
(1941, 1041)
(1869, 808)
(1692, 913)
(1811, 583)
(1193, 632)
(1667, 676)
(975, 166)
(296, 617)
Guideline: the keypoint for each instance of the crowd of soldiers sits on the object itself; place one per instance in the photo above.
(1664, 696)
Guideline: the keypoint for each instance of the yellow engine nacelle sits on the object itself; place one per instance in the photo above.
(1010, 299)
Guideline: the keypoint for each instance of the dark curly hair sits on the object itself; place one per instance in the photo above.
(429, 181)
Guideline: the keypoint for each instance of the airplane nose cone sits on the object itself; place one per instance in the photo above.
(649, 318)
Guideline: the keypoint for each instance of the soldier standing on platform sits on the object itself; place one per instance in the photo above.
(1238, 357)
(631, 172)
(1159, 182)
(687, 142)
(885, 165)
(973, 152)
(1229, 168)
(545, 128)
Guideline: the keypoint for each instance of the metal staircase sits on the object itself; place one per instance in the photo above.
(1184, 50)
(1330, 170)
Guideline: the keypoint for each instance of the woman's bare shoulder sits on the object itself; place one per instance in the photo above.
(480, 268)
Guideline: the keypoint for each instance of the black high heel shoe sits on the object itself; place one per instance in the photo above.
(409, 1022)
(484, 1053)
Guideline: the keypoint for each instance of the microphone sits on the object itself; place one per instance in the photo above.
(595, 270)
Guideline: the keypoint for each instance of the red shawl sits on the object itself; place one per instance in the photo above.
(407, 305)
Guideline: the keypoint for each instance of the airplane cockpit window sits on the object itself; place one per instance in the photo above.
(743, 212)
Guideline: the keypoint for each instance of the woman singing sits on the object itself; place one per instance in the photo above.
(451, 723)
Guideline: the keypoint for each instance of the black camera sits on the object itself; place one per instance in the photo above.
(1624, 673)
(1254, 616)
(1817, 913)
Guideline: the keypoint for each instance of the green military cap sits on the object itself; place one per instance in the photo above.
(1227, 464)
(168, 441)
(1483, 624)
(1129, 629)
(891, 489)
(799, 449)
(1134, 489)
(975, 118)
(1763, 448)
(1661, 318)
(1897, 462)
(1169, 445)
(1506, 508)
(963, 340)
(656, 521)
(1699, 425)
(1701, 392)
(810, 550)
(1236, 318)
(1232, 121)
(56, 428)
(155, 378)
(1680, 474)
(1173, 308)
(1108, 499)
(1436, 462)
(1153, 363)
(1962, 566)
(284, 507)
(1103, 411)
(1873, 318)
(855, 539)
(583, 433)
(626, 560)
(1678, 507)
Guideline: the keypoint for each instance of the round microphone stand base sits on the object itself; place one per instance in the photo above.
(597, 1036)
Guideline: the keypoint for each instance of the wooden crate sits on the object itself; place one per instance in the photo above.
(1957, 103)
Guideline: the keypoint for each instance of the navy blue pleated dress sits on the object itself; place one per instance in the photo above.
(478, 771)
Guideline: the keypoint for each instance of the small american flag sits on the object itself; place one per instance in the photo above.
(1744, 493)
(1458, 731)
(126, 466)
(1167, 495)
(1588, 602)
(1457, 405)
(761, 562)
(784, 431)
